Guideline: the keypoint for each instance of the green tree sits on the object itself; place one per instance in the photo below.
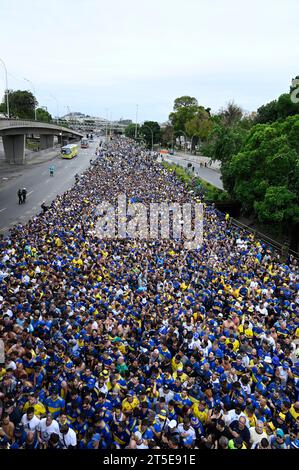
(22, 104)
(145, 131)
(267, 113)
(267, 167)
(286, 107)
(277, 109)
(184, 109)
(130, 130)
(185, 102)
(42, 115)
(224, 142)
(200, 126)
(279, 205)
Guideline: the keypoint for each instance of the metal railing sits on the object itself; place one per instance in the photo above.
(269, 241)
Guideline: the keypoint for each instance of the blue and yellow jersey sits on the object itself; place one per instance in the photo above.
(55, 407)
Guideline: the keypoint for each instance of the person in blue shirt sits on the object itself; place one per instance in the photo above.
(19, 437)
(103, 429)
(55, 404)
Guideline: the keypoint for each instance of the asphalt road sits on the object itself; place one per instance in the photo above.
(211, 176)
(40, 186)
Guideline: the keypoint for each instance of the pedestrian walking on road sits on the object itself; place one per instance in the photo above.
(20, 196)
(24, 194)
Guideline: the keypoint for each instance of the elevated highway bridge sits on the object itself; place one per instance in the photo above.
(14, 132)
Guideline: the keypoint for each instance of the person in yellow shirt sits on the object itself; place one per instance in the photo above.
(39, 409)
(234, 342)
(130, 402)
(176, 363)
(77, 261)
(200, 411)
(294, 411)
(180, 375)
(252, 419)
(58, 242)
(245, 329)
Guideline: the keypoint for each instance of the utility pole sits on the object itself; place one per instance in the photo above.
(136, 121)
(6, 85)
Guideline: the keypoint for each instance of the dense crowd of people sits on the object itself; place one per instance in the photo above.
(142, 344)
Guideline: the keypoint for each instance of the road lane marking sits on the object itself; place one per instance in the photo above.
(30, 193)
(4, 209)
(47, 181)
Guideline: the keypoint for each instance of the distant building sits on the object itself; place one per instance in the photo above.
(125, 122)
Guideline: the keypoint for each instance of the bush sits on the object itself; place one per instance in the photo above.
(211, 192)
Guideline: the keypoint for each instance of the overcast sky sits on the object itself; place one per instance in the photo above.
(95, 55)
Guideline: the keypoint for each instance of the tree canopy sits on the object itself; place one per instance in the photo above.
(149, 130)
(190, 119)
(265, 168)
(21, 104)
(130, 130)
(43, 116)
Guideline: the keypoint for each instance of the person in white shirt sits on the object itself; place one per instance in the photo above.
(67, 437)
(166, 393)
(257, 433)
(46, 427)
(186, 430)
(233, 415)
(29, 420)
(140, 444)
(261, 308)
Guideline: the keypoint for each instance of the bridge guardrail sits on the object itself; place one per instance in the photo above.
(27, 122)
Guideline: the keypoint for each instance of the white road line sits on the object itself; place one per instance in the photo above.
(4, 209)
(47, 181)
(30, 193)
(13, 223)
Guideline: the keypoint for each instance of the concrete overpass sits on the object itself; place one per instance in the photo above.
(14, 131)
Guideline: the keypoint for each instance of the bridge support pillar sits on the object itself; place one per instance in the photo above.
(46, 141)
(14, 148)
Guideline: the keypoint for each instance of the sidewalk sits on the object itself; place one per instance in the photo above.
(199, 159)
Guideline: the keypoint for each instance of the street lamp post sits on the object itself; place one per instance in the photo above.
(136, 122)
(148, 127)
(33, 87)
(6, 86)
